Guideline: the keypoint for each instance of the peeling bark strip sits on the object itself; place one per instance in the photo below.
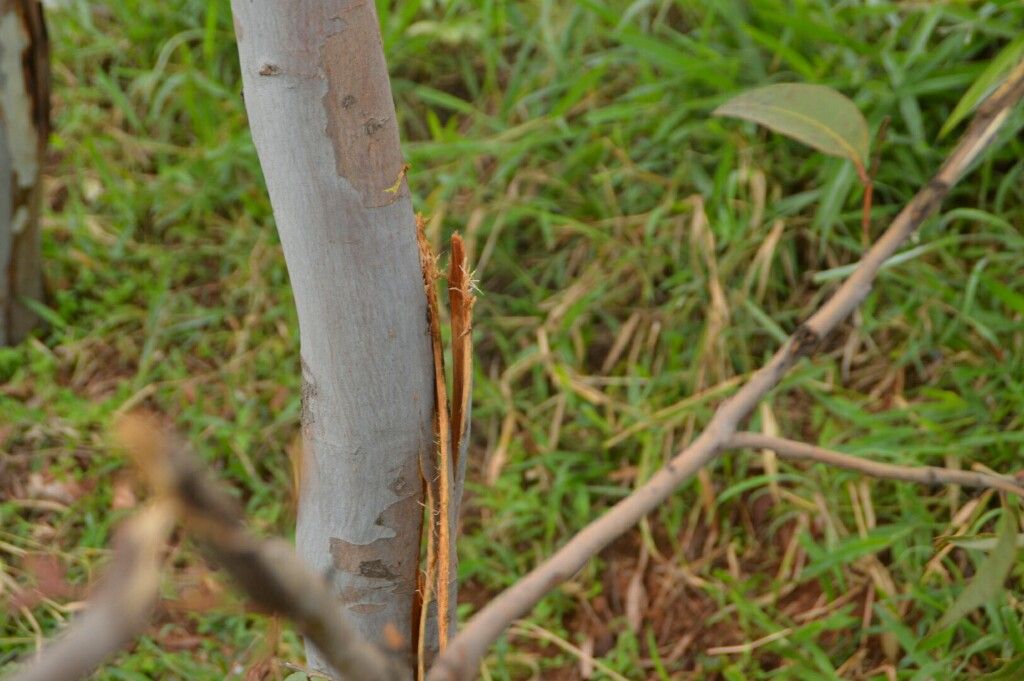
(441, 478)
(323, 122)
(460, 302)
(421, 606)
(361, 121)
(445, 474)
(460, 306)
(24, 128)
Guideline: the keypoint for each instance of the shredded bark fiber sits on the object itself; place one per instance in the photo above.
(444, 473)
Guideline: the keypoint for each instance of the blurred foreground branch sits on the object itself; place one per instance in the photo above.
(120, 609)
(268, 570)
(461, 659)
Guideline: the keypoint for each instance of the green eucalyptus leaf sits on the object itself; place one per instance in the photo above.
(816, 115)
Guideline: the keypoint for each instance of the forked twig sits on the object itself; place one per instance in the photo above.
(923, 475)
(463, 655)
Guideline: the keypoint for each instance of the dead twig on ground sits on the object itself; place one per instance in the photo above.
(923, 475)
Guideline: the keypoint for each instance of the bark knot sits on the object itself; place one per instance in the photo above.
(373, 125)
(805, 341)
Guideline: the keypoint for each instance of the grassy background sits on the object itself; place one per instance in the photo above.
(571, 143)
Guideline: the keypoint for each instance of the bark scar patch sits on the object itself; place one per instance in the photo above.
(366, 608)
(376, 569)
(372, 125)
(361, 125)
(361, 559)
(309, 392)
(400, 487)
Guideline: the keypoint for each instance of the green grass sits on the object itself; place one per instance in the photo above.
(567, 141)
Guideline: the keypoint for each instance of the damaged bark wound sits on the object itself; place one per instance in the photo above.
(444, 474)
(460, 307)
(323, 122)
(460, 302)
(24, 127)
(438, 472)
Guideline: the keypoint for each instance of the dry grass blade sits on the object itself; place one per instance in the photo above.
(744, 648)
(530, 630)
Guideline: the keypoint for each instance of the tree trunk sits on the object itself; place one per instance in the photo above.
(319, 101)
(24, 127)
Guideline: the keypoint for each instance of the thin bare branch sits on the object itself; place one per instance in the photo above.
(924, 475)
(121, 608)
(461, 659)
(267, 569)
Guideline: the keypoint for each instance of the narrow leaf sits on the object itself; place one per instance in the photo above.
(992, 573)
(1008, 296)
(985, 83)
(816, 115)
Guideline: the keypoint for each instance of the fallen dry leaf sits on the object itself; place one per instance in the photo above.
(49, 579)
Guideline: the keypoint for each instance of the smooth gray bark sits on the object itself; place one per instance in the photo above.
(24, 126)
(319, 101)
